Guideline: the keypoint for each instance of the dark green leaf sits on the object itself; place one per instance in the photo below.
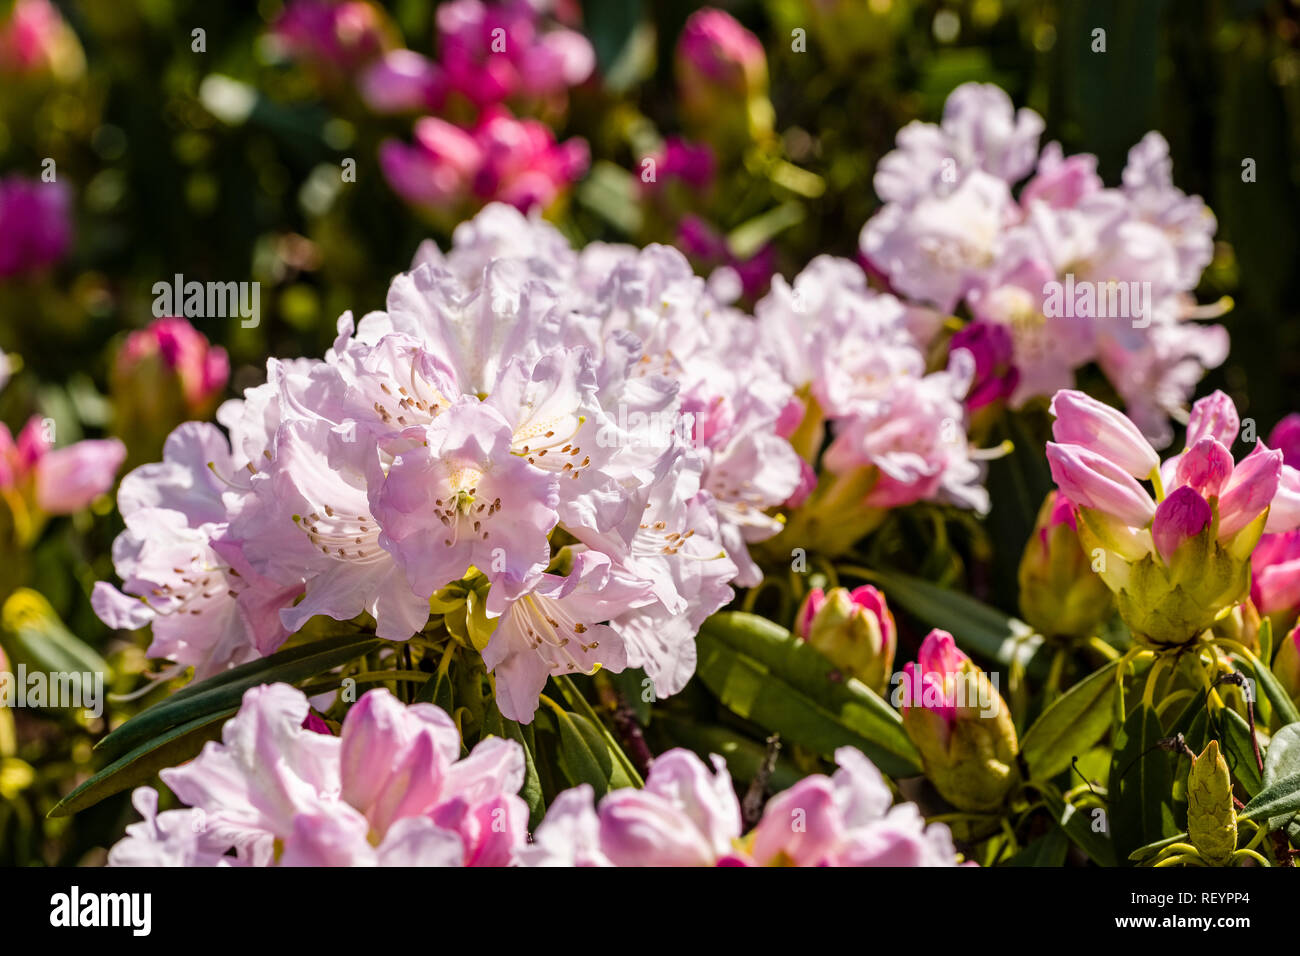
(1072, 724)
(766, 675)
(225, 691)
(1141, 785)
(168, 749)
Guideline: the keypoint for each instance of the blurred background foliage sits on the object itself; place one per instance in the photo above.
(223, 164)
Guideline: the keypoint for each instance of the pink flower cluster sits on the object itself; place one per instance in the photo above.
(1100, 458)
(573, 429)
(35, 225)
(487, 54)
(491, 58)
(858, 358)
(1048, 265)
(393, 790)
(500, 158)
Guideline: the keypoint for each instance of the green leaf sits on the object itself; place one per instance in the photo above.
(1279, 799)
(1141, 785)
(764, 674)
(35, 635)
(168, 749)
(1078, 826)
(1274, 691)
(1070, 725)
(531, 791)
(977, 627)
(585, 756)
(1048, 850)
(225, 690)
(1283, 760)
(1150, 849)
(1239, 753)
(743, 755)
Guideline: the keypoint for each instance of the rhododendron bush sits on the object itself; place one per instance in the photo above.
(579, 480)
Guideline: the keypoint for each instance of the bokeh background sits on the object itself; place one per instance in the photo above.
(218, 155)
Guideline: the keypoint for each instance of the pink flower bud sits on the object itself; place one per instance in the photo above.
(1214, 416)
(1275, 574)
(1285, 437)
(1090, 480)
(1206, 467)
(1250, 489)
(1183, 515)
(70, 478)
(715, 50)
(1084, 421)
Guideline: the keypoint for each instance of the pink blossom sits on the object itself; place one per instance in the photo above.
(336, 37)
(688, 815)
(390, 790)
(36, 39)
(991, 347)
(500, 158)
(1085, 422)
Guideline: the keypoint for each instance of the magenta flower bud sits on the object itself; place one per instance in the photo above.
(715, 50)
(694, 165)
(811, 605)
(1214, 416)
(200, 369)
(1206, 467)
(69, 479)
(1249, 491)
(961, 726)
(1275, 575)
(1183, 515)
(1095, 482)
(1084, 421)
(1285, 437)
(992, 347)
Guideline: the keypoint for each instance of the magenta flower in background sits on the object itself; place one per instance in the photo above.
(201, 368)
(992, 348)
(447, 169)
(335, 38)
(716, 55)
(35, 225)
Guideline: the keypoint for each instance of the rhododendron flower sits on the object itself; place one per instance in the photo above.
(35, 225)
(335, 38)
(564, 435)
(1178, 559)
(960, 724)
(854, 629)
(950, 234)
(721, 72)
(500, 158)
(54, 481)
(390, 790)
(689, 816)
